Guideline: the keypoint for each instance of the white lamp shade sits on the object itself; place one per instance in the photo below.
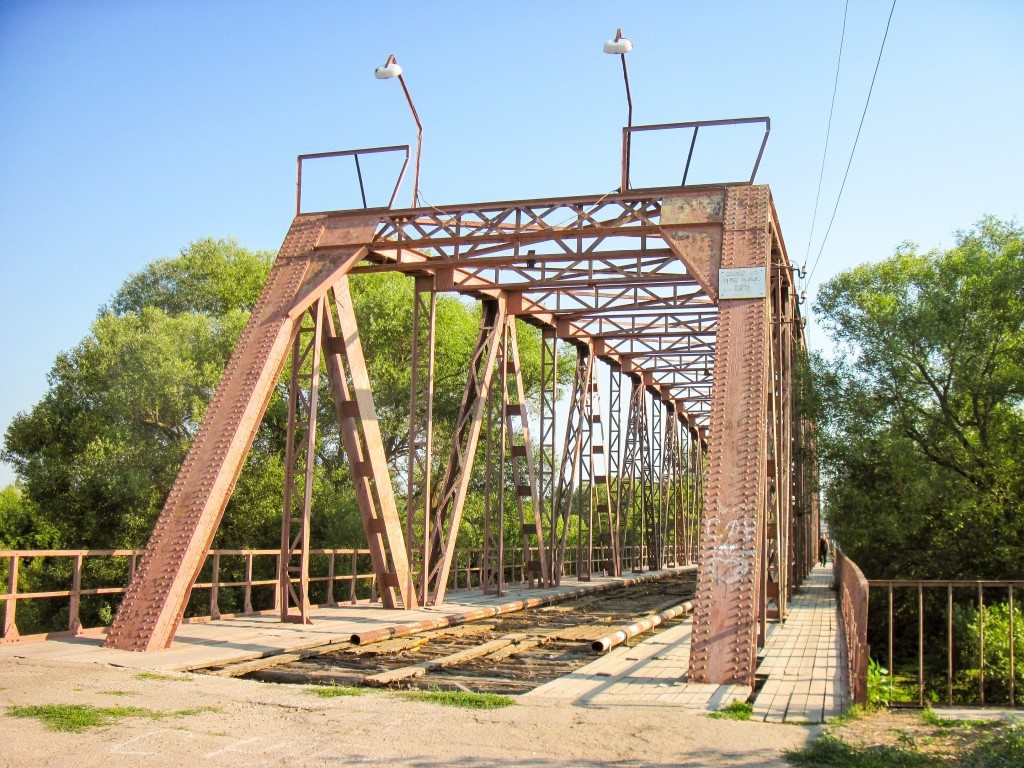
(387, 71)
(622, 45)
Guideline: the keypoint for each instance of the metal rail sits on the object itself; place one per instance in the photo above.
(465, 574)
(962, 594)
(912, 617)
(853, 606)
(354, 154)
(696, 125)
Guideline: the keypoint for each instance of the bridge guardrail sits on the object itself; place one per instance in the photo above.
(984, 638)
(853, 592)
(338, 566)
(975, 629)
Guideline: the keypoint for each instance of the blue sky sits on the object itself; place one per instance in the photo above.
(128, 129)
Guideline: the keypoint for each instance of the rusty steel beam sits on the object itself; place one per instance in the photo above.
(632, 279)
(421, 429)
(364, 448)
(451, 496)
(300, 456)
(729, 578)
(155, 601)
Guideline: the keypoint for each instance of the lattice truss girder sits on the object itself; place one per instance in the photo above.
(615, 271)
(630, 280)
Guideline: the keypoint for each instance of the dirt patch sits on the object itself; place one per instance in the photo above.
(260, 724)
(943, 739)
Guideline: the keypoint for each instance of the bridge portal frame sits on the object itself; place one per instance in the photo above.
(630, 279)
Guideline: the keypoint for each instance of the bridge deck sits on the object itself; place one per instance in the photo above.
(803, 660)
(228, 641)
(806, 659)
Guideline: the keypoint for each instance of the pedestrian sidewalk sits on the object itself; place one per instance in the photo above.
(805, 658)
(652, 672)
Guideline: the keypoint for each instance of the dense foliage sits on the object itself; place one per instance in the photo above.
(95, 458)
(921, 416)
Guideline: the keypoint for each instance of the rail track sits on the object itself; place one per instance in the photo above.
(512, 653)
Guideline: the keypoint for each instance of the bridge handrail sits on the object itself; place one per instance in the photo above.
(854, 598)
(354, 154)
(466, 574)
(696, 125)
(919, 587)
(14, 557)
(853, 591)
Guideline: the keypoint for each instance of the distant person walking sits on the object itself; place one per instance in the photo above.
(822, 550)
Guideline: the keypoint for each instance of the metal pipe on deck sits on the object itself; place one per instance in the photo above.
(644, 625)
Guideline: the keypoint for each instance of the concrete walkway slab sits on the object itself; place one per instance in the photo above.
(805, 658)
(652, 672)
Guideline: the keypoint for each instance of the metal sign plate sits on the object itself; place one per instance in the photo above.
(742, 283)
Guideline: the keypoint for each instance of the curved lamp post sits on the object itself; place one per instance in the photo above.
(390, 69)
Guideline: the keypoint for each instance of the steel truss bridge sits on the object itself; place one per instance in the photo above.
(681, 306)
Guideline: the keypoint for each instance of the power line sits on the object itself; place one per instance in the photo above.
(828, 133)
(856, 139)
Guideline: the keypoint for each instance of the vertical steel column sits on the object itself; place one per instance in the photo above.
(788, 325)
(524, 477)
(451, 497)
(724, 646)
(492, 564)
(421, 431)
(600, 504)
(670, 475)
(546, 469)
(655, 469)
(364, 448)
(692, 493)
(772, 559)
(698, 497)
(631, 497)
(570, 473)
(584, 498)
(615, 464)
(300, 462)
(648, 504)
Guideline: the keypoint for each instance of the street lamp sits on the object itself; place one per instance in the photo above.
(390, 69)
(620, 46)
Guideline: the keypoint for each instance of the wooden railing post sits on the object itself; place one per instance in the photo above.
(215, 587)
(247, 608)
(352, 598)
(330, 580)
(74, 620)
(10, 633)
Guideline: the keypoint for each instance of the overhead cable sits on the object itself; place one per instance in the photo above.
(856, 139)
(828, 133)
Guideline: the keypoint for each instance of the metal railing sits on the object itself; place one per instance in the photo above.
(696, 125)
(853, 593)
(354, 154)
(120, 566)
(975, 663)
(90, 573)
(955, 642)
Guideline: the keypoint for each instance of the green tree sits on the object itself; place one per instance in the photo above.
(97, 456)
(921, 408)
(21, 526)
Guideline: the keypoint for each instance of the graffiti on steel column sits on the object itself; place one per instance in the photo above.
(731, 561)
